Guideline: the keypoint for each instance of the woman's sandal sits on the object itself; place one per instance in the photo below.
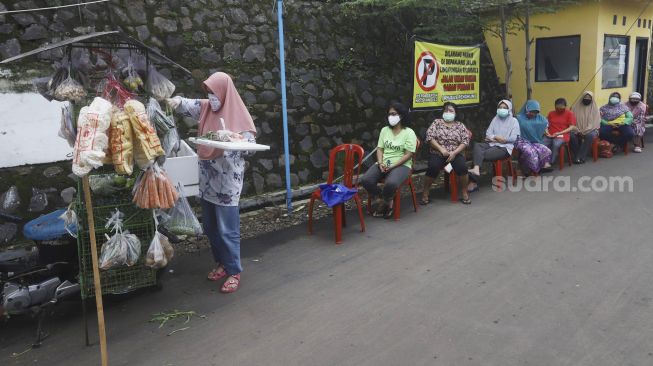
(466, 201)
(231, 285)
(424, 201)
(216, 274)
(389, 213)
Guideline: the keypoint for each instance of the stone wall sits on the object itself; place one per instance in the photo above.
(342, 70)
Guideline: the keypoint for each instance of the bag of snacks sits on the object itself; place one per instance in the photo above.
(122, 147)
(147, 145)
(158, 85)
(70, 90)
(92, 140)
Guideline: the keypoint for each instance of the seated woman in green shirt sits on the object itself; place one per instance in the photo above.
(397, 144)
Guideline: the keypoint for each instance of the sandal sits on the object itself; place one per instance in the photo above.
(424, 201)
(389, 213)
(216, 274)
(380, 210)
(231, 285)
(466, 201)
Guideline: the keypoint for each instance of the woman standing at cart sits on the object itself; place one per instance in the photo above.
(220, 172)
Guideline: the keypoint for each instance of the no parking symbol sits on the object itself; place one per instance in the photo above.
(427, 70)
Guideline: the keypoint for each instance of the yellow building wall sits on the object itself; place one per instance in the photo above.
(591, 21)
(629, 9)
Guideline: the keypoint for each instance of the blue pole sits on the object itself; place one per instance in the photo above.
(282, 63)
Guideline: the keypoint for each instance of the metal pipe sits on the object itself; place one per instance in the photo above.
(282, 63)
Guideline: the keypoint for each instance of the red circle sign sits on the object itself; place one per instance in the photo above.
(427, 70)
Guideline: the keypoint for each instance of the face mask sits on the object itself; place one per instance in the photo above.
(393, 120)
(448, 116)
(214, 101)
(560, 110)
(634, 102)
(587, 101)
(502, 113)
(614, 100)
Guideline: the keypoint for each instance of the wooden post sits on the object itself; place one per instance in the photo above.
(96, 272)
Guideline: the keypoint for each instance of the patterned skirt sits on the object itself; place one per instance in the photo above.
(532, 156)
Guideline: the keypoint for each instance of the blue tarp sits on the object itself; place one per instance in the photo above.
(48, 227)
(335, 194)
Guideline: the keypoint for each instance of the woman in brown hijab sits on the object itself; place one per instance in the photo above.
(588, 122)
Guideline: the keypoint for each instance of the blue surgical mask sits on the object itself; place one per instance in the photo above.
(614, 100)
(448, 116)
(503, 113)
(214, 101)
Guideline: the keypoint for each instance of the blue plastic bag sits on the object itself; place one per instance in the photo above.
(48, 227)
(336, 194)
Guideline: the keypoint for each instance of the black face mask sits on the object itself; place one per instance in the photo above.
(634, 102)
(587, 101)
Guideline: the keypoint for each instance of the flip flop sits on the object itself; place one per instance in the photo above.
(424, 202)
(389, 213)
(466, 201)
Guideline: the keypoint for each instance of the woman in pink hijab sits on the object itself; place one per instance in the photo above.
(221, 172)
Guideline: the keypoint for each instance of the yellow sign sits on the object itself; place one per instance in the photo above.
(445, 74)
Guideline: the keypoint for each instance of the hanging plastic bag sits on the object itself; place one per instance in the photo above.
(10, 200)
(154, 190)
(182, 218)
(147, 145)
(92, 141)
(158, 85)
(122, 142)
(132, 80)
(171, 143)
(70, 220)
(114, 91)
(162, 121)
(70, 90)
(67, 129)
(160, 251)
(122, 248)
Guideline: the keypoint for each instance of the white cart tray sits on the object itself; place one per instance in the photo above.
(240, 146)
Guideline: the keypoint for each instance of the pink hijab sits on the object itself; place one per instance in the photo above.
(233, 110)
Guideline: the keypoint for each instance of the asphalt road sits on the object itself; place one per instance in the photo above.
(517, 278)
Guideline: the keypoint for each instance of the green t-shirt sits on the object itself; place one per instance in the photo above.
(395, 146)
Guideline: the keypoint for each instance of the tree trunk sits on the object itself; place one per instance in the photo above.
(506, 52)
(529, 42)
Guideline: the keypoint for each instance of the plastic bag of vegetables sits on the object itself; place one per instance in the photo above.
(122, 248)
(154, 190)
(158, 85)
(162, 121)
(132, 80)
(160, 251)
(182, 219)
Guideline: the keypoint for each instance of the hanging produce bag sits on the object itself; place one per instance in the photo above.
(70, 90)
(154, 190)
(133, 81)
(122, 248)
(113, 90)
(67, 129)
(147, 145)
(92, 140)
(122, 147)
(162, 121)
(158, 85)
(182, 219)
(160, 251)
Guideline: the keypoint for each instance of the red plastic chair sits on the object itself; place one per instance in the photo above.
(396, 202)
(561, 154)
(350, 180)
(498, 170)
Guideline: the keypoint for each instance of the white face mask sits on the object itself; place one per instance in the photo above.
(214, 101)
(448, 116)
(393, 120)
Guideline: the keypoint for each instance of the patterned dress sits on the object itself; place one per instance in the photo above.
(447, 136)
(220, 179)
(639, 118)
